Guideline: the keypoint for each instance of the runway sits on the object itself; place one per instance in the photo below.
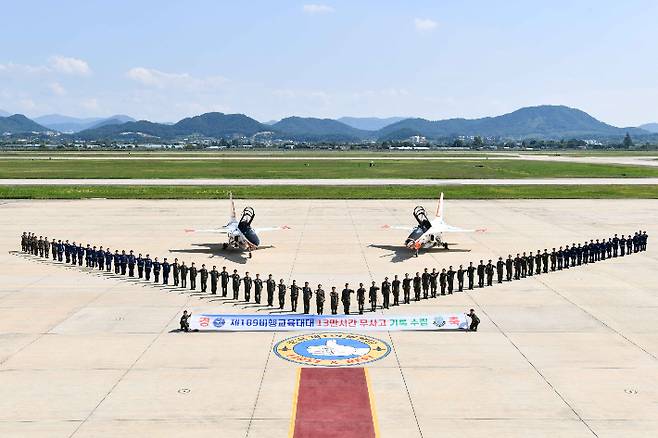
(570, 354)
(634, 160)
(327, 182)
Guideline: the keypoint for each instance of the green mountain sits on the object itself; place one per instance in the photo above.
(127, 131)
(546, 121)
(19, 124)
(312, 129)
(219, 125)
(651, 127)
(540, 122)
(58, 122)
(369, 123)
(206, 125)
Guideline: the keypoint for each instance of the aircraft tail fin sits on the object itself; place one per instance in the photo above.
(439, 210)
(230, 197)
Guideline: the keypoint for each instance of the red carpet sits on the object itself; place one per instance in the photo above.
(333, 402)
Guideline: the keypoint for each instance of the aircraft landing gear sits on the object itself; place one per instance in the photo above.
(445, 246)
(249, 254)
(224, 245)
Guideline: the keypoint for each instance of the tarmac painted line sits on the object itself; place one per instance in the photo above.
(324, 182)
(331, 402)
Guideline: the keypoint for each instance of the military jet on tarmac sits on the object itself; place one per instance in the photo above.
(240, 234)
(429, 233)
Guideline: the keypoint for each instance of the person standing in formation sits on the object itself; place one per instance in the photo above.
(282, 294)
(214, 277)
(307, 294)
(319, 300)
(193, 272)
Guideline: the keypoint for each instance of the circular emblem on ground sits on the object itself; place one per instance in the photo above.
(332, 349)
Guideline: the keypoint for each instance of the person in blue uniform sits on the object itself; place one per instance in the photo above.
(60, 251)
(100, 258)
(156, 270)
(108, 260)
(117, 261)
(148, 265)
(140, 265)
(67, 251)
(132, 260)
(124, 262)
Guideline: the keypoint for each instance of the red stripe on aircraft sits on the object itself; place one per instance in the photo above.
(333, 402)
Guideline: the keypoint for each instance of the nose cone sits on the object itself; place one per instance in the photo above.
(252, 237)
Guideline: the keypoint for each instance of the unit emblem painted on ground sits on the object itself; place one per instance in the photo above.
(332, 349)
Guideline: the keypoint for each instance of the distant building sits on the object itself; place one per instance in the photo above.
(417, 139)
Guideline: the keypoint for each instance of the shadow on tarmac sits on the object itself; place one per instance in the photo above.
(400, 253)
(217, 250)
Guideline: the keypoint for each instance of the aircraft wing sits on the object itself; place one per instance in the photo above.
(211, 230)
(445, 228)
(284, 227)
(398, 227)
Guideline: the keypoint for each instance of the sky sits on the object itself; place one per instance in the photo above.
(164, 60)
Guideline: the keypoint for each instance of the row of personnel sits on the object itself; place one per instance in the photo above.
(425, 285)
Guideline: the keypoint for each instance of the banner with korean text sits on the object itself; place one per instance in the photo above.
(212, 322)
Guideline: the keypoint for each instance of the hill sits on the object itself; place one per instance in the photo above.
(539, 122)
(369, 123)
(312, 129)
(651, 127)
(18, 124)
(58, 122)
(546, 121)
(219, 125)
(205, 125)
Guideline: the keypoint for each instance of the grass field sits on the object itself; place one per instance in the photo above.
(332, 192)
(489, 168)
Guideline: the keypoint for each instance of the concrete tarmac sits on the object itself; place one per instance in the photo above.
(566, 354)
